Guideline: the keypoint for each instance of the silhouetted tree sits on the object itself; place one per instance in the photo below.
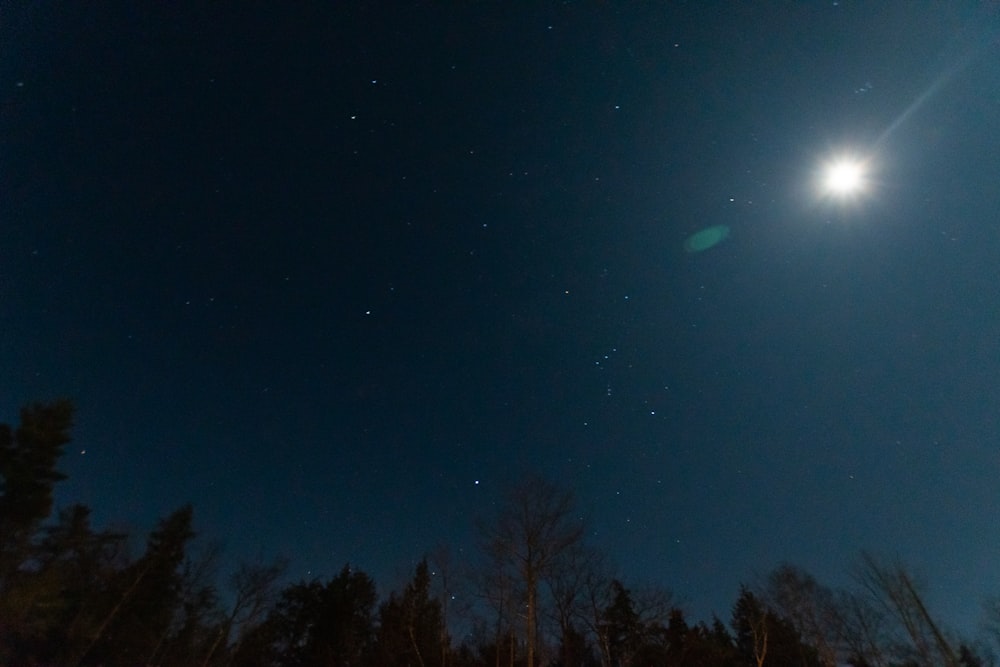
(968, 658)
(253, 589)
(494, 584)
(443, 579)
(28, 457)
(316, 624)
(142, 599)
(621, 630)
(797, 597)
(199, 618)
(751, 626)
(892, 588)
(47, 614)
(677, 635)
(70, 596)
(574, 649)
(568, 587)
(861, 629)
(710, 646)
(765, 638)
(596, 595)
(411, 624)
(534, 530)
(288, 632)
(991, 626)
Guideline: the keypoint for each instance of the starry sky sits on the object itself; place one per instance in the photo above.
(337, 274)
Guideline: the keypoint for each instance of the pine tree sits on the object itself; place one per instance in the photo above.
(142, 602)
(28, 457)
(411, 625)
(316, 624)
(765, 638)
(621, 628)
(30, 604)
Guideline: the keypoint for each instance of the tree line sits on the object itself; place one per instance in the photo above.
(536, 594)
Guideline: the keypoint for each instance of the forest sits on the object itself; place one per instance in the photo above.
(537, 594)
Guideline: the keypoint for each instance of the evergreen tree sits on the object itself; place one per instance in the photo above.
(78, 566)
(621, 631)
(713, 646)
(411, 625)
(199, 620)
(313, 624)
(765, 638)
(32, 608)
(288, 631)
(677, 634)
(28, 457)
(141, 603)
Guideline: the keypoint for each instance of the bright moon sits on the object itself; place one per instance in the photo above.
(844, 178)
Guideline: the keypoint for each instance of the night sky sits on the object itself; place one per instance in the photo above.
(338, 275)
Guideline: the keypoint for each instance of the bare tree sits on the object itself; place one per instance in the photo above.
(653, 604)
(535, 529)
(254, 588)
(808, 606)
(893, 588)
(494, 586)
(991, 620)
(759, 629)
(861, 628)
(442, 572)
(570, 588)
(596, 598)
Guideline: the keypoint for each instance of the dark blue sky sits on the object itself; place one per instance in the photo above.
(338, 275)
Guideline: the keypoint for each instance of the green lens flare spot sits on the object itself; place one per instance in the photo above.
(706, 238)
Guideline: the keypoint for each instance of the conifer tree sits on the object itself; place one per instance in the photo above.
(411, 624)
(28, 457)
